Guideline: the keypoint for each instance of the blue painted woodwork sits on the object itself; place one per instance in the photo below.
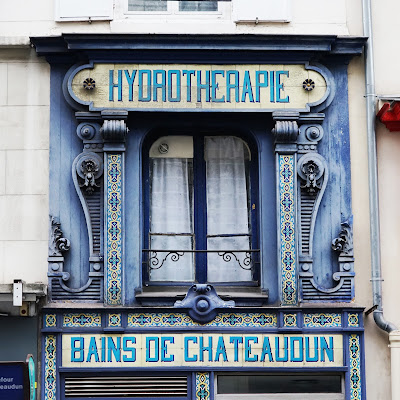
(331, 53)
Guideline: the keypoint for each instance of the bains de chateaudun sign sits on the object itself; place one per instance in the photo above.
(192, 86)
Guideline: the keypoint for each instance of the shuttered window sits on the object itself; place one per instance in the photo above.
(126, 386)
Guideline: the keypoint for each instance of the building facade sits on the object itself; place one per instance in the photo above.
(207, 198)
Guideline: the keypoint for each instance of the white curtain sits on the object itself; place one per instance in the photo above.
(170, 213)
(227, 207)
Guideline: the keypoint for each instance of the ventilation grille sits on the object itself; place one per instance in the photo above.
(310, 293)
(94, 205)
(307, 208)
(126, 386)
(92, 292)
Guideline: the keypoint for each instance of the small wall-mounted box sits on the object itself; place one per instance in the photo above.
(17, 293)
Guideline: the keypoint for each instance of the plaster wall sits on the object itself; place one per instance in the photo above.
(386, 61)
(23, 19)
(24, 131)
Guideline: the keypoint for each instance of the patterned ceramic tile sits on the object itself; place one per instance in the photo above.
(50, 320)
(287, 229)
(114, 230)
(290, 320)
(353, 320)
(50, 375)
(82, 320)
(322, 320)
(114, 320)
(355, 367)
(203, 386)
(221, 320)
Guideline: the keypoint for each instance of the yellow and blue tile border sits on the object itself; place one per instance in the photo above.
(114, 235)
(287, 211)
(226, 320)
(50, 367)
(322, 320)
(81, 320)
(355, 375)
(203, 391)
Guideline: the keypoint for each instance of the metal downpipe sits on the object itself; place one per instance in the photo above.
(370, 95)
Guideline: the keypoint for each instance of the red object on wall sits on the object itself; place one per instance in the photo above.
(390, 116)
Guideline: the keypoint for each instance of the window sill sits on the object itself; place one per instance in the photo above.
(167, 295)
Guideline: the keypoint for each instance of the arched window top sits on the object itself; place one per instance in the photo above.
(182, 147)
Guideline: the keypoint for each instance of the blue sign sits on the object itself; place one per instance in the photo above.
(12, 381)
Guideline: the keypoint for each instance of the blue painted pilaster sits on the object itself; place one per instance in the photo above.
(286, 132)
(114, 131)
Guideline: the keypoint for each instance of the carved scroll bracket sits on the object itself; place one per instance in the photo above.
(313, 174)
(344, 290)
(87, 170)
(203, 302)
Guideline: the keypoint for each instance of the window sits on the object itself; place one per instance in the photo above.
(164, 5)
(201, 219)
(280, 386)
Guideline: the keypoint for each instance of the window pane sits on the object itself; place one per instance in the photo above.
(311, 383)
(171, 226)
(166, 266)
(198, 5)
(229, 266)
(147, 5)
(227, 207)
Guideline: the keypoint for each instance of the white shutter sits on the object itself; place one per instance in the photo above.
(83, 10)
(261, 10)
(126, 386)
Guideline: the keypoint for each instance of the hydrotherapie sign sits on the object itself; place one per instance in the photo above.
(197, 349)
(174, 87)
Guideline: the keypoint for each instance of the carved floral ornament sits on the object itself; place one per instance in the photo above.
(344, 242)
(311, 169)
(57, 244)
(89, 168)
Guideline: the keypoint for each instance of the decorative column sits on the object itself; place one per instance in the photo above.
(286, 132)
(114, 132)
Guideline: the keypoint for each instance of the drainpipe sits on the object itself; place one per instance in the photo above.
(376, 272)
